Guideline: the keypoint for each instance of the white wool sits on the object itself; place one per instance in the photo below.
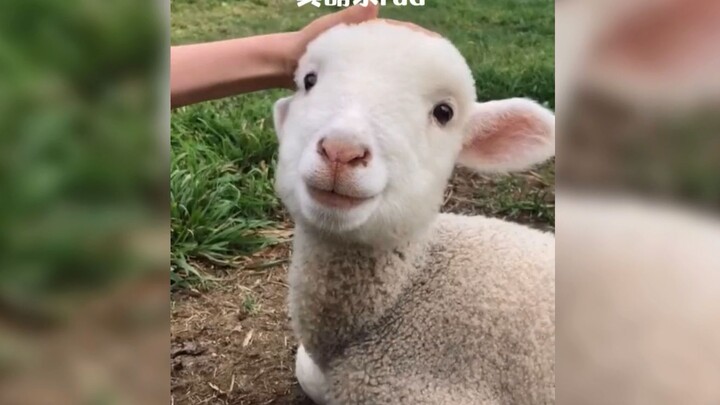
(392, 302)
(310, 377)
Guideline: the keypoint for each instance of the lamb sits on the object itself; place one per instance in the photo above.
(391, 301)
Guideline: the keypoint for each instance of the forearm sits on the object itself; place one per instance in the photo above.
(214, 70)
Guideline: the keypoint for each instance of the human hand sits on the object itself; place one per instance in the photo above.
(352, 15)
(412, 26)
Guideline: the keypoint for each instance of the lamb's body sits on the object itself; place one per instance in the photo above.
(393, 302)
(463, 315)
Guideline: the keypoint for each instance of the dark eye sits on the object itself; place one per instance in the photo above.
(443, 113)
(310, 80)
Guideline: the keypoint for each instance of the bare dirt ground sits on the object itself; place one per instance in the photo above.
(232, 343)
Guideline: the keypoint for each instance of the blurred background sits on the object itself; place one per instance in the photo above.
(83, 202)
(638, 198)
(640, 88)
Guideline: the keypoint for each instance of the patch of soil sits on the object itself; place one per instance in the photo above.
(232, 343)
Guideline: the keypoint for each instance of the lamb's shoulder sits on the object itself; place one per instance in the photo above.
(490, 298)
(492, 239)
(480, 316)
(488, 262)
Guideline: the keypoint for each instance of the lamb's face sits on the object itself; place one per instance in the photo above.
(370, 138)
(381, 116)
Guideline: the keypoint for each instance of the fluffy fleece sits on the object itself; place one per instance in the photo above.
(393, 302)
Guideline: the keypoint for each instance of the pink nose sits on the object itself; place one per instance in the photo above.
(343, 152)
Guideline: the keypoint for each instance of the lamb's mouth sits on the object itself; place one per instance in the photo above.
(334, 199)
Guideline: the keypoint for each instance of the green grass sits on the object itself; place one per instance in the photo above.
(224, 151)
(528, 199)
(221, 182)
(250, 305)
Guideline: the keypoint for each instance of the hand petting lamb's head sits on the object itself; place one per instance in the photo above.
(381, 116)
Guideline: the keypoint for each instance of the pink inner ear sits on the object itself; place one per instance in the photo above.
(505, 136)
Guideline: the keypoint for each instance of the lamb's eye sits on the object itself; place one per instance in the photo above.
(443, 113)
(310, 80)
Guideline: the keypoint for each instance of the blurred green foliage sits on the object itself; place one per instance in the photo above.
(79, 141)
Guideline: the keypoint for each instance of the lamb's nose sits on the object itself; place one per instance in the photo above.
(343, 152)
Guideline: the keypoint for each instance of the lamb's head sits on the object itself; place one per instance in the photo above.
(381, 116)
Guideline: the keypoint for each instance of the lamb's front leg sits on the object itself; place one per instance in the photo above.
(311, 379)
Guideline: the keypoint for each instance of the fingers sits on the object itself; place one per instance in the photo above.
(352, 15)
(412, 26)
(357, 14)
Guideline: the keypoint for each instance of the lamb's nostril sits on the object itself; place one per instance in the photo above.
(321, 149)
(363, 158)
(343, 152)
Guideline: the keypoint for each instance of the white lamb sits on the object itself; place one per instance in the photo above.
(392, 302)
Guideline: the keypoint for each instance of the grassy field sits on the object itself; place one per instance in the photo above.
(224, 151)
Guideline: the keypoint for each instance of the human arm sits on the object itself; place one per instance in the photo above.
(206, 71)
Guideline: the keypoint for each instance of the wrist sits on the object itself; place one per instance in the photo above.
(287, 57)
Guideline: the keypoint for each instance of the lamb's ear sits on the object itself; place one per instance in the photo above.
(508, 135)
(280, 110)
